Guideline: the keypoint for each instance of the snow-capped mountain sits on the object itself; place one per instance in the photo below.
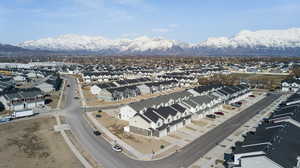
(88, 43)
(261, 38)
(262, 42)
(10, 48)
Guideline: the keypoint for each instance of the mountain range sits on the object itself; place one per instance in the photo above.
(284, 42)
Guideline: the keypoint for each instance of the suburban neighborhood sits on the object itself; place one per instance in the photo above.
(151, 114)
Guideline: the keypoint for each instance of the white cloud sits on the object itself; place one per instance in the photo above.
(173, 25)
(165, 29)
(90, 4)
(288, 8)
(129, 2)
(161, 30)
(130, 35)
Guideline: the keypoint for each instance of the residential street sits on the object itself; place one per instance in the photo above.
(104, 155)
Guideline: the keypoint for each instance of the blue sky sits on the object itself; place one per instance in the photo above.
(184, 20)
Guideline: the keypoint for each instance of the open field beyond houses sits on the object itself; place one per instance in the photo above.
(34, 144)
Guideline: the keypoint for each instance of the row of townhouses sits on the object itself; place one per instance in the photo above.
(183, 80)
(274, 143)
(20, 100)
(23, 101)
(162, 115)
(113, 91)
(89, 77)
(290, 85)
(96, 88)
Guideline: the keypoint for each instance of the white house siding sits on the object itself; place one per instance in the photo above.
(126, 112)
(144, 89)
(258, 162)
(105, 95)
(173, 128)
(17, 107)
(40, 103)
(31, 105)
(295, 89)
(139, 122)
(237, 157)
(162, 133)
(179, 125)
(95, 90)
(4, 102)
(35, 104)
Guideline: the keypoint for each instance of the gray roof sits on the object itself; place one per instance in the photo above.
(140, 105)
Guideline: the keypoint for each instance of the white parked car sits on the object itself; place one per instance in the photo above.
(117, 148)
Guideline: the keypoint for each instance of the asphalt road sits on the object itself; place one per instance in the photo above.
(101, 150)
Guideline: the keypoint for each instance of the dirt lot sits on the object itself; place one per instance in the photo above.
(33, 143)
(143, 144)
(201, 122)
(53, 99)
(273, 81)
(91, 100)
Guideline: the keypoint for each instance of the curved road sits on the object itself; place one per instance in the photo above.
(101, 150)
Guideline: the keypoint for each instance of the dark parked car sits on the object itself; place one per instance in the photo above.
(76, 97)
(97, 133)
(219, 113)
(251, 96)
(212, 116)
(68, 85)
(240, 103)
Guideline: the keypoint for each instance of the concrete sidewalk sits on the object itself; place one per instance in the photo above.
(131, 150)
(115, 139)
(82, 98)
(78, 155)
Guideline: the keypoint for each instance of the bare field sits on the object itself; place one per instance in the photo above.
(200, 122)
(274, 80)
(91, 100)
(34, 144)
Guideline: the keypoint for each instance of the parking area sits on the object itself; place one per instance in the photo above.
(215, 157)
(197, 128)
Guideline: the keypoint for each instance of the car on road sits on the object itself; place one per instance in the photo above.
(219, 113)
(76, 97)
(251, 96)
(235, 104)
(68, 85)
(212, 116)
(97, 133)
(117, 148)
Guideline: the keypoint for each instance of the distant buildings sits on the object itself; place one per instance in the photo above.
(122, 89)
(23, 88)
(52, 84)
(22, 102)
